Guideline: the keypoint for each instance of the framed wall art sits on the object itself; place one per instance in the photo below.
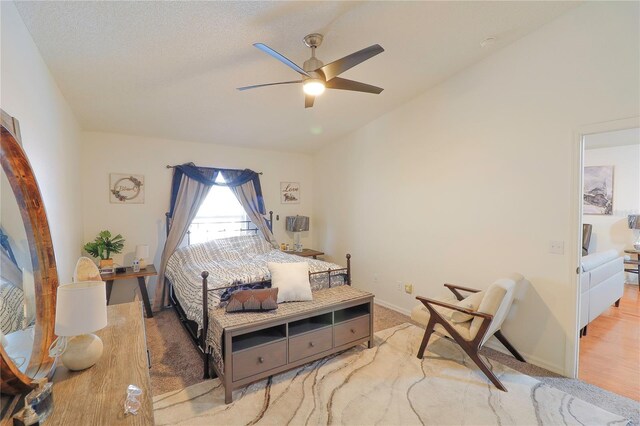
(598, 190)
(126, 188)
(289, 192)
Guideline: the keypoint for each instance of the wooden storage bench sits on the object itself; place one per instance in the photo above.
(291, 336)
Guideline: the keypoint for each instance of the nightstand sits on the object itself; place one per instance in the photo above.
(306, 253)
(149, 271)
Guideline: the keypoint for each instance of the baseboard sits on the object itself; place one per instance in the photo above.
(392, 307)
(493, 343)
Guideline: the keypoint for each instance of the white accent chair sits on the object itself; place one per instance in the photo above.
(601, 285)
(470, 321)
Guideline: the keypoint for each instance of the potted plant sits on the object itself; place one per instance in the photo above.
(103, 246)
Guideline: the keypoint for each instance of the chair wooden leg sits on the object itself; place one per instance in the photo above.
(509, 346)
(486, 370)
(427, 335)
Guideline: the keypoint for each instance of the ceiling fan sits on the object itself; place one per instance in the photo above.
(316, 76)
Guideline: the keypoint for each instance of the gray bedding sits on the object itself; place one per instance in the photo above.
(228, 261)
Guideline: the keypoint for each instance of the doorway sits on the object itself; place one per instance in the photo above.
(609, 296)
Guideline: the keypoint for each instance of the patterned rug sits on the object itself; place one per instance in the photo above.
(385, 385)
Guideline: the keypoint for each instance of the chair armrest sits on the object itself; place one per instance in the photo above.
(454, 289)
(459, 287)
(427, 301)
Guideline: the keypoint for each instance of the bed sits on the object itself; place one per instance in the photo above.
(231, 262)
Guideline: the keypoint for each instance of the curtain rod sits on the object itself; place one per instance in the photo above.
(173, 167)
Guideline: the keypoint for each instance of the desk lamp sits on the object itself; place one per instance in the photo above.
(297, 224)
(81, 309)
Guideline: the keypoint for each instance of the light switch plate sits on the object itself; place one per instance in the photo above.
(556, 247)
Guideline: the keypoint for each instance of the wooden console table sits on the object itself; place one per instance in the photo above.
(95, 396)
(149, 271)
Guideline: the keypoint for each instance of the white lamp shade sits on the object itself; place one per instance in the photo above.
(142, 251)
(81, 308)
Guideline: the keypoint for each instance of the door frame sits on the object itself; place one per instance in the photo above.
(572, 358)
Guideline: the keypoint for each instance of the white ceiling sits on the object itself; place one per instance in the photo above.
(170, 69)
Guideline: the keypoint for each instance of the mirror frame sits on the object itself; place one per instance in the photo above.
(25, 188)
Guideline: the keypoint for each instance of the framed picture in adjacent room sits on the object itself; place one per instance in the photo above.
(126, 188)
(598, 190)
(289, 192)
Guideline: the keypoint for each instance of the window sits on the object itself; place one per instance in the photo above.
(220, 216)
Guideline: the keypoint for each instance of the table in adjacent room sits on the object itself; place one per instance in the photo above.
(635, 264)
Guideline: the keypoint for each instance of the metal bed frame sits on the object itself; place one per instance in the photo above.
(200, 339)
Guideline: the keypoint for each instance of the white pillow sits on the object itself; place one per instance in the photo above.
(472, 302)
(291, 280)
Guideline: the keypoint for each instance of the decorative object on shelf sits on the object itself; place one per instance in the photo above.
(103, 246)
(598, 190)
(132, 404)
(81, 309)
(289, 193)
(135, 266)
(142, 254)
(634, 224)
(126, 188)
(297, 224)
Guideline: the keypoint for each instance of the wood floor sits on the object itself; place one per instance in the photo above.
(610, 352)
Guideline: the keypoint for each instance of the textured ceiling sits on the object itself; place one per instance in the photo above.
(170, 69)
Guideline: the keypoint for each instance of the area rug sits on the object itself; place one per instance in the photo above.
(384, 385)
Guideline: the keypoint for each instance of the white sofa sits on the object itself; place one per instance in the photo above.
(601, 284)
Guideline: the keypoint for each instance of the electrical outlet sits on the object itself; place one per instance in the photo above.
(399, 286)
(408, 288)
(376, 277)
(556, 247)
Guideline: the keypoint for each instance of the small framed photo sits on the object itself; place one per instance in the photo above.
(126, 188)
(289, 192)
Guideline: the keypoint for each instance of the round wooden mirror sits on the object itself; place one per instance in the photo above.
(28, 275)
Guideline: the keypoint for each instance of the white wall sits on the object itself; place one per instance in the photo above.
(473, 179)
(105, 153)
(50, 135)
(612, 231)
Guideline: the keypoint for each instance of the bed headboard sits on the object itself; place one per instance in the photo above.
(244, 226)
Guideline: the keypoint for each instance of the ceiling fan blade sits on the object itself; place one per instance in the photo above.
(268, 84)
(308, 100)
(269, 51)
(356, 86)
(336, 68)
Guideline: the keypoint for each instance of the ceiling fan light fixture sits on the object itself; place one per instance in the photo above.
(313, 87)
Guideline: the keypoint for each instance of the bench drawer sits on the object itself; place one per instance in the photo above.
(253, 361)
(309, 344)
(351, 330)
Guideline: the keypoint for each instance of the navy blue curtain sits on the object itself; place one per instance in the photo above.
(208, 176)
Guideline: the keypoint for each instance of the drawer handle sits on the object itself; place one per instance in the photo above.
(311, 344)
(260, 360)
(353, 330)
